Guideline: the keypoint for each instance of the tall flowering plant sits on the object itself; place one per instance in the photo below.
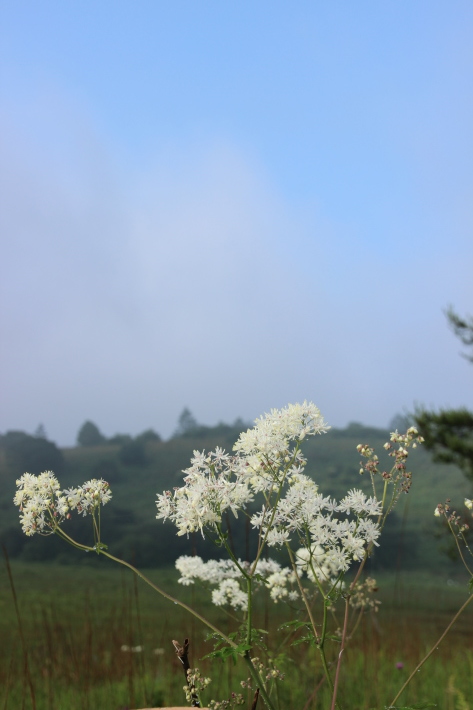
(323, 538)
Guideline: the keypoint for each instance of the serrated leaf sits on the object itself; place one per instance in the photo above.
(304, 639)
(229, 652)
(418, 706)
(333, 638)
(294, 624)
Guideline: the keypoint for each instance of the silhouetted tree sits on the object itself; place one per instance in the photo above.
(449, 433)
(40, 432)
(90, 435)
(463, 328)
(186, 423)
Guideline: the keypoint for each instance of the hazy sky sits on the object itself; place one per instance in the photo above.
(232, 206)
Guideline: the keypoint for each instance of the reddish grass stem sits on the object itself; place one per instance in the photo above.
(434, 647)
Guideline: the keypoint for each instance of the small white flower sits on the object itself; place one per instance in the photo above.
(229, 592)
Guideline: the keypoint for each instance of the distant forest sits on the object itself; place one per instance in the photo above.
(139, 467)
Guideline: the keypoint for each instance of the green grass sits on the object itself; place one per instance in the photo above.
(75, 621)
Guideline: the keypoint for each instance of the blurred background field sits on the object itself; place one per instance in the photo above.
(97, 638)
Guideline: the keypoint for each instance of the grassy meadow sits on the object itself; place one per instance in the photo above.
(95, 637)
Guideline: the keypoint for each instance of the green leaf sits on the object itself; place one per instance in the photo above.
(332, 637)
(470, 585)
(294, 624)
(229, 652)
(418, 706)
(305, 639)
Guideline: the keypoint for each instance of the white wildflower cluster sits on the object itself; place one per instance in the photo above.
(317, 564)
(229, 581)
(335, 541)
(216, 482)
(89, 496)
(273, 432)
(43, 506)
(212, 486)
(333, 534)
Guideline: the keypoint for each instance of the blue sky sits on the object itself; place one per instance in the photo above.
(231, 207)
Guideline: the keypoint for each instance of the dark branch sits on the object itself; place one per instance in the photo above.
(181, 652)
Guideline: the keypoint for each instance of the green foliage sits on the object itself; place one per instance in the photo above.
(148, 435)
(120, 439)
(30, 453)
(449, 435)
(463, 329)
(133, 453)
(90, 435)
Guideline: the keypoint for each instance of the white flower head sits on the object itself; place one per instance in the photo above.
(272, 432)
(42, 506)
(230, 593)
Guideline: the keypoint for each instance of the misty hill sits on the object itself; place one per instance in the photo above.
(139, 468)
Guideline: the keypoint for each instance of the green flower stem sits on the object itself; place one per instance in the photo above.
(455, 537)
(320, 639)
(230, 552)
(339, 662)
(259, 682)
(434, 647)
(273, 513)
(249, 616)
(151, 584)
(303, 594)
(383, 501)
(254, 673)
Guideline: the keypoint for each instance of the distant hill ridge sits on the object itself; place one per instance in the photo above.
(139, 468)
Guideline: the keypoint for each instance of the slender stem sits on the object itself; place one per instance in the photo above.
(320, 639)
(151, 584)
(168, 596)
(357, 623)
(459, 548)
(230, 552)
(434, 647)
(20, 629)
(339, 662)
(259, 682)
(275, 505)
(249, 618)
(303, 594)
(384, 495)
